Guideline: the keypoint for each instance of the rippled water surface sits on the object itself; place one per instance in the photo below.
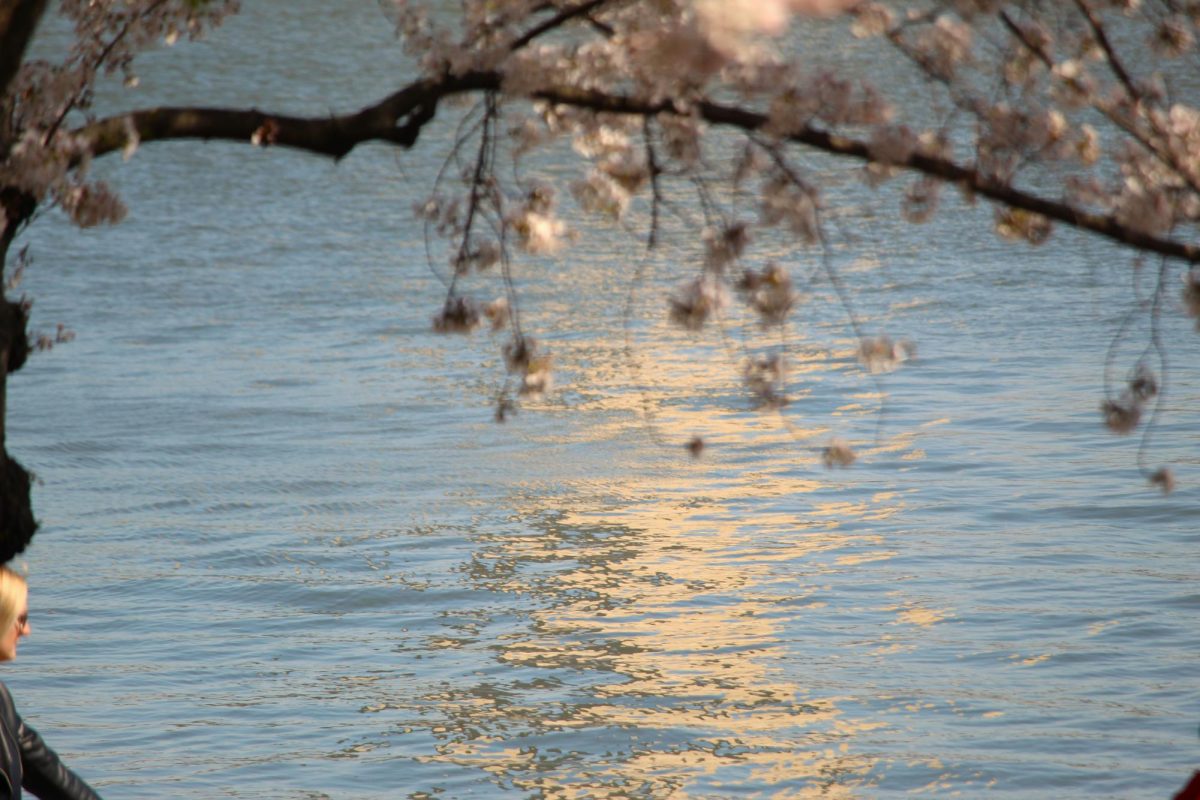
(286, 553)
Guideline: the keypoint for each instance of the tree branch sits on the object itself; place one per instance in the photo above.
(557, 21)
(1156, 142)
(1114, 61)
(399, 118)
(85, 80)
(965, 176)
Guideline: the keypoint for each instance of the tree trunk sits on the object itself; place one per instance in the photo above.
(18, 21)
(17, 524)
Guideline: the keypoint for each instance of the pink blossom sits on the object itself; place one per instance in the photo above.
(1163, 478)
(725, 246)
(838, 454)
(765, 378)
(769, 293)
(458, 315)
(1121, 416)
(698, 300)
(881, 354)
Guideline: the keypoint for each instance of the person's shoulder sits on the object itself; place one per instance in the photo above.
(7, 707)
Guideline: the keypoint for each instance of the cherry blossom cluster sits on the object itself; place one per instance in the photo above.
(1065, 99)
(1079, 113)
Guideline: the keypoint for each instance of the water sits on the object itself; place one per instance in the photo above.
(287, 554)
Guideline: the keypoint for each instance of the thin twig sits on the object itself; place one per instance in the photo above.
(655, 188)
(558, 20)
(95, 67)
(482, 167)
(1155, 346)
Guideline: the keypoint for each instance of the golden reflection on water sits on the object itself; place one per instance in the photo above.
(667, 592)
(672, 620)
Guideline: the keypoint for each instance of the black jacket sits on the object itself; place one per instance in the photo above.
(26, 761)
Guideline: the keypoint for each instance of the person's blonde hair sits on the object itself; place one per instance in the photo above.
(13, 589)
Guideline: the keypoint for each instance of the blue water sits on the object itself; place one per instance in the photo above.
(286, 552)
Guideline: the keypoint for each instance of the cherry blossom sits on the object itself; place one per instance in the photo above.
(703, 111)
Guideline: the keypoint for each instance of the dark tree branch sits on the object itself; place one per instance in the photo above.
(399, 118)
(415, 105)
(656, 193)
(558, 20)
(483, 167)
(965, 176)
(1114, 61)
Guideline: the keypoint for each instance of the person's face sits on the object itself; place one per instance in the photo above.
(19, 628)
